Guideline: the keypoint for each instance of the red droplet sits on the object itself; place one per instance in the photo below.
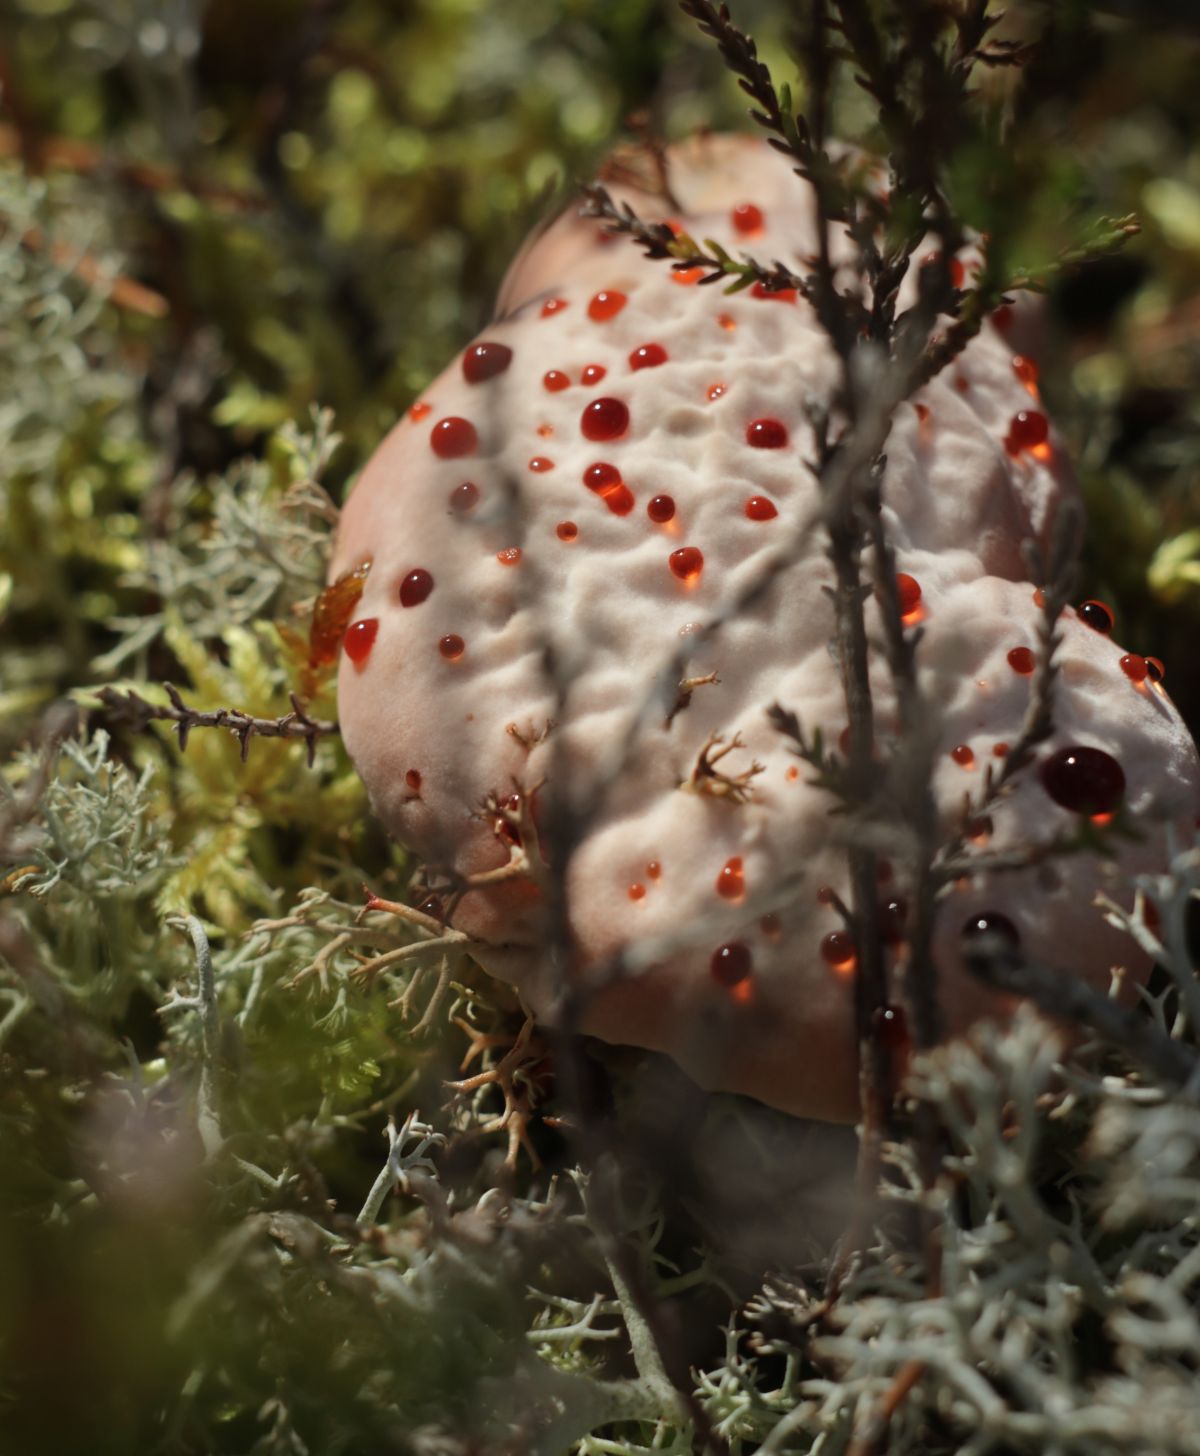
(540, 464)
(1022, 660)
(604, 419)
(654, 870)
(433, 907)
(553, 305)
(1026, 429)
(780, 295)
(1026, 371)
(687, 276)
(962, 383)
(1155, 670)
(606, 304)
(510, 556)
(453, 437)
(566, 530)
(451, 646)
(922, 412)
(420, 411)
(413, 779)
(592, 373)
(485, 360)
(1084, 780)
(908, 590)
(731, 879)
(989, 923)
(1096, 615)
(963, 755)
(463, 497)
(1134, 668)
(1002, 317)
(619, 501)
(727, 322)
(980, 828)
(792, 774)
(331, 612)
(760, 508)
(826, 895)
(1000, 750)
(766, 434)
(715, 391)
(1039, 598)
(891, 1031)
(892, 916)
(731, 964)
(958, 273)
(415, 587)
(648, 356)
(602, 477)
(554, 380)
(747, 218)
(772, 928)
(660, 509)
(359, 639)
(637, 892)
(687, 563)
(545, 431)
(837, 950)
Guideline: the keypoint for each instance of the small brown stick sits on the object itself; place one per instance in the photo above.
(125, 292)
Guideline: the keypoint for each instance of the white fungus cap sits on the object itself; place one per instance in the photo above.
(596, 482)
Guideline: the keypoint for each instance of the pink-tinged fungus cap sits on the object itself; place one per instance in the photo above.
(602, 473)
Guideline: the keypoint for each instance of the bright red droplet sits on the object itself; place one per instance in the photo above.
(554, 380)
(778, 295)
(1039, 598)
(963, 755)
(654, 870)
(413, 779)
(687, 563)
(464, 497)
(731, 964)
(420, 411)
(415, 587)
(1022, 660)
(1155, 670)
(606, 304)
(727, 322)
(540, 464)
(566, 530)
(792, 774)
(453, 437)
(892, 916)
(837, 950)
(1002, 317)
(604, 419)
(485, 360)
(637, 892)
(620, 501)
(1134, 668)
(747, 218)
(715, 391)
(1026, 371)
(766, 434)
(908, 591)
(661, 509)
(510, 556)
(602, 477)
(1084, 780)
(552, 306)
(760, 508)
(648, 356)
(731, 879)
(451, 646)
(958, 273)
(592, 373)
(687, 276)
(359, 639)
(1026, 429)
(1096, 615)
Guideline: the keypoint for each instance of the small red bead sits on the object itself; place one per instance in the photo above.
(687, 276)
(661, 509)
(731, 964)
(412, 779)
(606, 304)
(510, 556)
(552, 306)
(837, 950)
(451, 646)
(592, 374)
(1025, 370)
(747, 218)
(1022, 660)
(1134, 667)
(567, 530)
(360, 638)
(1097, 616)
(554, 380)
(602, 477)
(604, 419)
(485, 360)
(453, 437)
(464, 497)
(619, 501)
(415, 587)
(540, 464)
(777, 295)
(963, 755)
(1026, 430)
(687, 563)
(760, 508)
(891, 921)
(731, 881)
(766, 434)
(637, 892)
(648, 356)
(1155, 670)
(420, 411)
(908, 591)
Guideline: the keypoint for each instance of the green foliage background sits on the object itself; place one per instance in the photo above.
(321, 196)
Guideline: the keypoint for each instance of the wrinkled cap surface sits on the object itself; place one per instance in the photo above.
(596, 562)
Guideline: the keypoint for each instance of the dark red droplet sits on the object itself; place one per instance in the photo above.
(990, 924)
(1000, 750)
(360, 638)
(604, 419)
(766, 434)
(1002, 317)
(433, 907)
(731, 879)
(463, 497)
(485, 360)
(654, 870)
(891, 1031)
(687, 563)
(592, 373)
(453, 437)
(892, 916)
(1135, 668)
(908, 591)
(554, 380)
(602, 477)
(566, 530)
(413, 779)
(606, 304)
(826, 895)
(963, 755)
(1022, 660)
(648, 356)
(415, 587)
(1084, 780)
(620, 501)
(451, 646)
(922, 412)
(1026, 429)
(1096, 615)
(661, 509)
(731, 963)
(761, 508)
(1155, 671)
(778, 295)
(747, 218)
(837, 950)
(552, 306)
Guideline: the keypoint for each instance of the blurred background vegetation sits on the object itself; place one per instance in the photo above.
(212, 218)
